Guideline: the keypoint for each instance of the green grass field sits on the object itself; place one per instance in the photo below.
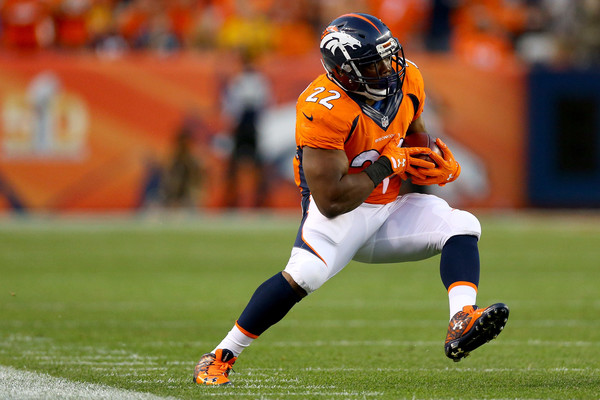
(132, 304)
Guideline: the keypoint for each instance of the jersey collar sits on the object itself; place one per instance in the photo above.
(386, 113)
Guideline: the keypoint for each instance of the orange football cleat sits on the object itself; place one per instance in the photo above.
(213, 368)
(473, 327)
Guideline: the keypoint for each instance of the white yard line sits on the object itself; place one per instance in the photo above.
(25, 385)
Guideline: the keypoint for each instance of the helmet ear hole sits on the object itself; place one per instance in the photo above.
(345, 80)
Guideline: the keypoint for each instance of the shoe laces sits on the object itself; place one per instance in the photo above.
(211, 366)
(469, 309)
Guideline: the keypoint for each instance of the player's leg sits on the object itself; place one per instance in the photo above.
(417, 227)
(323, 247)
(469, 326)
(271, 301)
(420, 226)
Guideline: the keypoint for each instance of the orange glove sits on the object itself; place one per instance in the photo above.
(399, 161)
(447, 169)
(403, 162)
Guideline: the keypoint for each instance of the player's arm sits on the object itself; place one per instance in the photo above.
(418, 125)
(334, 191)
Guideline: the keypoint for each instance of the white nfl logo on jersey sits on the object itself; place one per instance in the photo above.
(385, 121)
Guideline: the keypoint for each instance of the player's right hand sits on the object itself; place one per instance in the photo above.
(403, 160)
(447, 169)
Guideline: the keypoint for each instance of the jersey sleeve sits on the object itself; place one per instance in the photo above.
(415, 86)
(322, 123)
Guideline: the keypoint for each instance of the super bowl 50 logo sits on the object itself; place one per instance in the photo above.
(44, 121)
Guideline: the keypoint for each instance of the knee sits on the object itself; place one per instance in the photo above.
(297, 288)
(307, 270)
(464, 223)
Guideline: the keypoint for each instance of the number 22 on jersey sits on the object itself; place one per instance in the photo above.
(316, 98)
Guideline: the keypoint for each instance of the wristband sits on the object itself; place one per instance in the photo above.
(379, 170)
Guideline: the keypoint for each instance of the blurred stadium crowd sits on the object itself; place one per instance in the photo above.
(487, 33)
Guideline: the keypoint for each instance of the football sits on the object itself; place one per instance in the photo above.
(422, 139)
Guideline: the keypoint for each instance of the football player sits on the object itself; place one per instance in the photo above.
(349, 165)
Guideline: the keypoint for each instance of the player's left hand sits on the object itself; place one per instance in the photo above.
(447, 168)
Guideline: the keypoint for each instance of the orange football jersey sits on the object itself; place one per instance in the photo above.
(327, 117)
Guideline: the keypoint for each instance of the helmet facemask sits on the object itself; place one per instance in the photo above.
(352, 74)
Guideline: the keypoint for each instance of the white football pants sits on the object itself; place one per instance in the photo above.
(413, 227)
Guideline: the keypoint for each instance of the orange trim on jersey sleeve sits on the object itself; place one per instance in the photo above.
(245, 332)
(462, 283)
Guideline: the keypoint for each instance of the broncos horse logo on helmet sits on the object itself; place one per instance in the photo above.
(362, 40)
(338, 41)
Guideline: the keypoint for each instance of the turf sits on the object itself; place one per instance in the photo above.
(132, 304)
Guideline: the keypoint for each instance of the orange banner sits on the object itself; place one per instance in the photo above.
(80, 133)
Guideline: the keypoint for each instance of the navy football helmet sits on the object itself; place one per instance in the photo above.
(352, 49)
